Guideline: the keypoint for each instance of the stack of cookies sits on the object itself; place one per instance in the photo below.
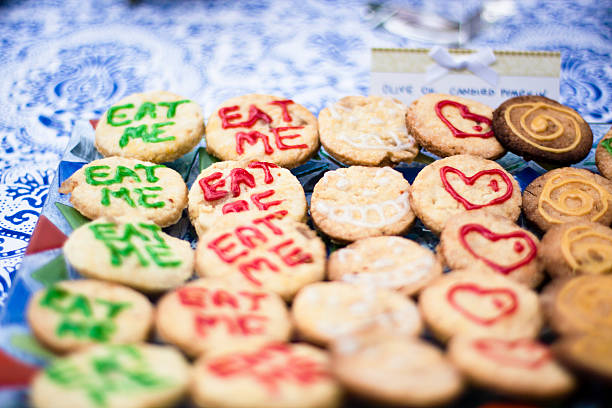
(260, 314)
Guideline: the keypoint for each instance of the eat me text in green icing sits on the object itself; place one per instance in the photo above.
(145, 196)
(82, 317)
(117, 117)
(140, 240)
(119, 369)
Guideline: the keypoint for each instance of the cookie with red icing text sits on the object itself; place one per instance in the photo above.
(447, 125)
(262, 127)
(463, 183)
(477, 304)
(493, 244)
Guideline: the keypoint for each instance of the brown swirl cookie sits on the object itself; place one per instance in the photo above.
(590, 354)
(603, 155)
(539, 128)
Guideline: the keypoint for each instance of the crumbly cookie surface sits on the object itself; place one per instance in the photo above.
(262, 127)
(131, 251)
(603, 155)
(156, 126)
(477, 304)
(463, 183)
(325, 311)
(540, 128)
(113, 376)
(279, 255)
(247, 186)
(493, 244)
(568, 194)
(214, 314)
(447, 125)
(278, 375)
(367, 131)
(385, 262)
(358, 202)
(118, 186)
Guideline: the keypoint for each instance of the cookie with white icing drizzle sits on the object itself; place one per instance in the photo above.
(358, 202)
(367, 130)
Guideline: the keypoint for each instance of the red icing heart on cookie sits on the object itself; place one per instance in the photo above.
(518, 246)
(470, 182)
(521, 353)
(503, 302)
(465, 113)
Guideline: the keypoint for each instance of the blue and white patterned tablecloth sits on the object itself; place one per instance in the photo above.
(62, 61)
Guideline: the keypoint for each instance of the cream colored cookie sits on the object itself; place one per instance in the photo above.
(521, 367)
(217, 314)
(131, 251)
(367, 131)
(262, 127)
(447, 125)
(278, 255)
(395, 371)
(230, 186)
(156, 126)
(491, 243)
(462, 183)
(113, 376)
(73, 314)
(478, 304)
(359, 202)
(277, 375)
(385, 262)
(324, 311)
(117, 186)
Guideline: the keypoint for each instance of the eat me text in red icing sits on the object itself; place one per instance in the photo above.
(231, 119)
(237, 312)
(493, 184)
(235, 248)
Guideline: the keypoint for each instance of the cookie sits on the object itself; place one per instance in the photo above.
(539, 128)
(324, 311)
(213, 314)
(113, 376)
(73, 314)
(231, 186)
(276, 375)
(154, 126)
(277, 255)
(395, 371)
(367, 131)
(117, 186)
(478, 304)
(359, 202)
(447, 125)
(458, 184)
(603, 155)
(579, 305)
(493, 244)
(385, 262)
(577, 248)
(589, 354)
(520, 367)
(568, 194)
(133, 252)
(262, 127)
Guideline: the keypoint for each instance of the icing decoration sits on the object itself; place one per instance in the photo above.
(265, 166)
(584, 302)
(200, 297)
(270, 366)
(535, 132)
(255, 114)
(211, 191)
(256, 199)
(256, 264)
(587, 250)
(494, 237)
(151, 246)
(278, 138)
(236, 206)
(345, 213)
(283, 105)
(575, 193)
(146, 109)
(502, 302)
(470, 182)
(141, 132)
(494, 185)
(396, 276)
(607, 144)
(465, 113)
(251, 138)
(240, 176)
(524, 353)
(121, 369)
(244, 325)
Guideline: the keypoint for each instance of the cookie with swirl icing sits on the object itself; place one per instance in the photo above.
(539, 128)
(603, 155)
(568, 194)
